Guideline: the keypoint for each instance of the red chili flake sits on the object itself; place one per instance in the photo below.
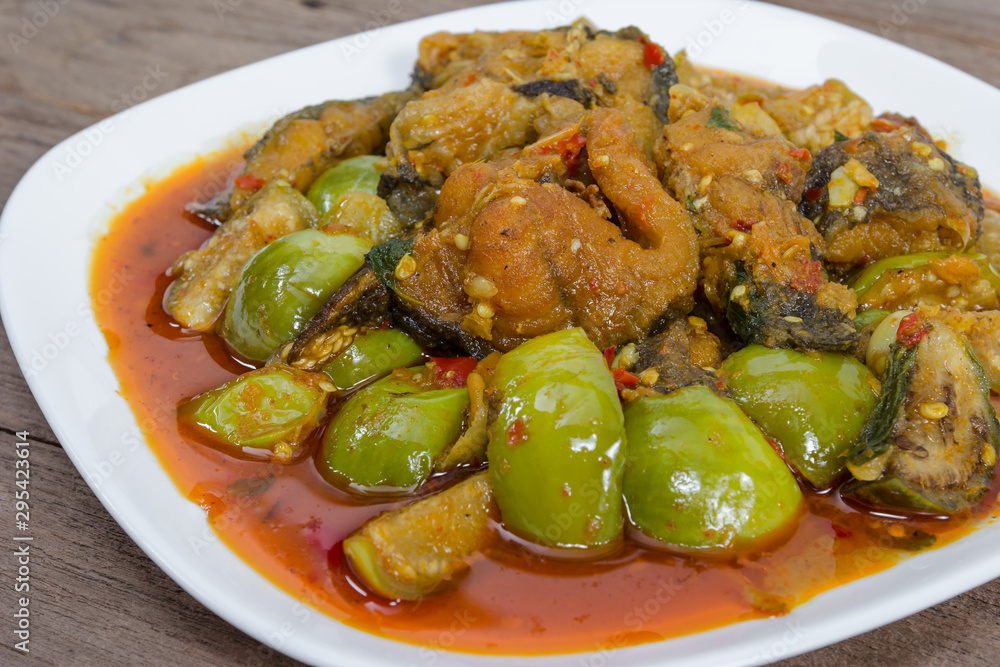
(568, 149)
(250, 182)
(911, 330)
(813, 194)
(860, 195)
(592, 284)
(808, 277)
(335, 555)
(741, 226)
(624, 379)
(452, 371)
(852, 145)
(571, 151)
(384, 325)
(785, 172)
(652, 56)
(609, 355)
(801, 153)
(469, 79)
(840, 531)
(516, 434)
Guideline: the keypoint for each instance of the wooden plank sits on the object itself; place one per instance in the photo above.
(98, 599)
(18, 410)
(964, 34)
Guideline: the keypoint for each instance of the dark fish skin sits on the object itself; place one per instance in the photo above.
(410, 198)
(571, 89)
(362, 301)
(366, 301)
(775, 315)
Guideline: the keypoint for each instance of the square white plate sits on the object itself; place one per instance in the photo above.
(66, 199)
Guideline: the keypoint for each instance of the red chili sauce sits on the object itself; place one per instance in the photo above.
(290, 528)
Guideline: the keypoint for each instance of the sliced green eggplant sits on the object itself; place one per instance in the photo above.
(206, 276)
(556, 447)
(700, 477)
(372, 354)
(385, 439)
(285, 285)
(356, 174)
(413, 551)
(813, 406)
(930, 443)
(965, 280)
(264, 413)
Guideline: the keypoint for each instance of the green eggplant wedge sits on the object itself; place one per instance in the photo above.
(385, 439)
(813, 407)
(930, 443)
(557, 445)
(263, 413)
(284, 285)
(702, 478)
(414, 551)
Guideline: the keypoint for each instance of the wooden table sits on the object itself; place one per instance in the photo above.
(96, 598)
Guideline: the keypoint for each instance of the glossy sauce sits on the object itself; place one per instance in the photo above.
(287, 523)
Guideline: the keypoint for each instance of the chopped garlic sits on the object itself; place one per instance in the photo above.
(859, 173)
(407, 267)
(649, 377)
(699, 325)
(842, 189)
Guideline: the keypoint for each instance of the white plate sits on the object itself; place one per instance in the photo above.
(66, 199)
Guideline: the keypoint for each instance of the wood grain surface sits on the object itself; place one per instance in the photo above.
(96, 598)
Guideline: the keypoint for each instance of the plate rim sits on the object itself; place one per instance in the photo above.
(247, 620)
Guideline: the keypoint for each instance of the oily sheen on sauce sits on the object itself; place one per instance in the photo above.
(288, 523)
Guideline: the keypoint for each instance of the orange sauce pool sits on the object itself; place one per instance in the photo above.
(287, 523)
